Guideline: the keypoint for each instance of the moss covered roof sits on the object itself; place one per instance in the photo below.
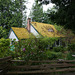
(42, 28)
(21, 33)
(46, 29)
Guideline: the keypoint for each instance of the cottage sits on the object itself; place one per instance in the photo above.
(35, 29)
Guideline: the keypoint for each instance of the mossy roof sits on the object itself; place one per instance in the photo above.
(46, 29)
(21, 33)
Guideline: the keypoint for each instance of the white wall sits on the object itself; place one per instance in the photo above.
(12, 36)
(33, 31)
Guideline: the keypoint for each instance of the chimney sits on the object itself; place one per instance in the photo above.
(28, 24)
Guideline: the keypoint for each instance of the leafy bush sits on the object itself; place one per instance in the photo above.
(58, 49)
(47, 42)
(29, 49)
(58, 27)
(71, 47)
(32, 49)
(70, 57)
(4, 47)
(53, 55)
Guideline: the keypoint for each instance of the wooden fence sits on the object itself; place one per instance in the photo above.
(4, 65)
(8, 66)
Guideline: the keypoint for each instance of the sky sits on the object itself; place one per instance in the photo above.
(30, 3)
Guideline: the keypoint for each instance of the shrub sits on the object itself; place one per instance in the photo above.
(70, 57)
(53, 55)
(47, 42)
(29, 49)
(32, 49)
(58, 49)
(71, 47)
(4, 47)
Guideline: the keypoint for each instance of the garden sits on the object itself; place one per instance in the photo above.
(37, 49)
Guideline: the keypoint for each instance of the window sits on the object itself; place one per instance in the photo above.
(50, 30)
(57, 43)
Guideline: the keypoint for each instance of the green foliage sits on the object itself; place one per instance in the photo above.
(65, 14)
(58, 27)
(58, 49)
(28, 49)
(54, 55)
(37, 13)
(71, 47)
(11, 13)
(51, 12)
(70, 57)
(4, 47)
(32, 49)
(2, 32)
(48, 41)
(67, 33)
(71, 51)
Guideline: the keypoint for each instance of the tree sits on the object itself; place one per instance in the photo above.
(11, 13)
(2, 32)
(37, 13)
(65, 14)
(51, 12)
